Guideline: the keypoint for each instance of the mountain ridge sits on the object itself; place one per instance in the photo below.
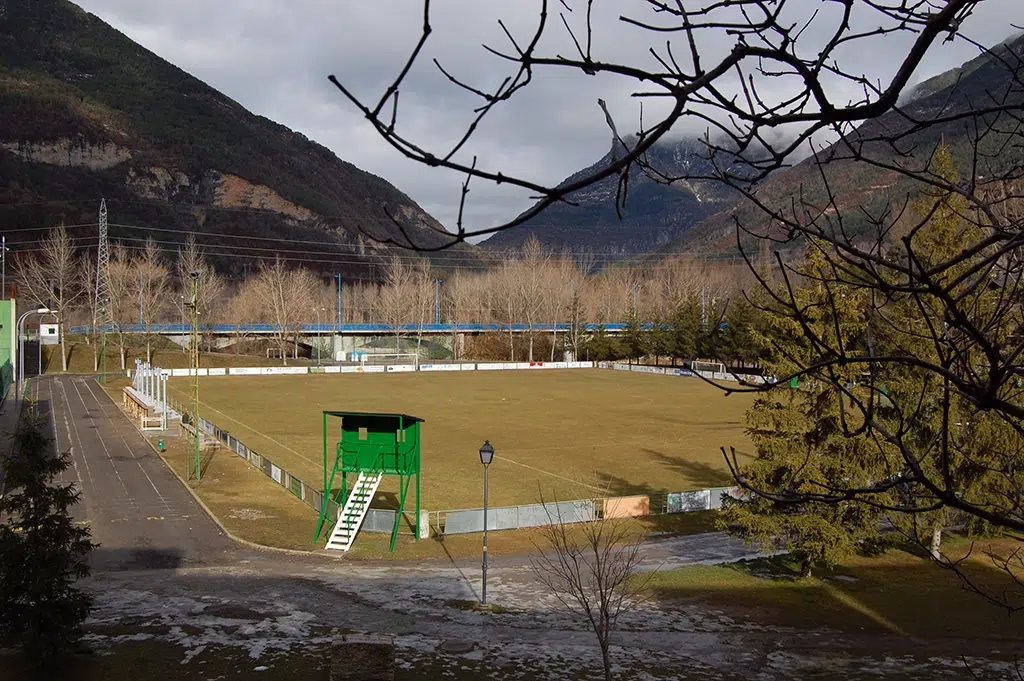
(654, 212)
(85, 112)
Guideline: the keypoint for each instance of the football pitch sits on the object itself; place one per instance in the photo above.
(563, 434)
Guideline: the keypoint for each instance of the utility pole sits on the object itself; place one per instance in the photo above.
(338, 342)
(634, 301)
(703, 307)
(3, 266)
(142, 287)
(102, 295)
(437, 301)
(193, 461)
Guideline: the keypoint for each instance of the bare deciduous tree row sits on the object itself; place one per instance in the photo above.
(532, 287)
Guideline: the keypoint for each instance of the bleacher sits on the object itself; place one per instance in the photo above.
(146, 399)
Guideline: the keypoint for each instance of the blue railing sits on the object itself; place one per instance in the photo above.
(346, 328)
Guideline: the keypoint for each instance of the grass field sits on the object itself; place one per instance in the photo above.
(563, 434)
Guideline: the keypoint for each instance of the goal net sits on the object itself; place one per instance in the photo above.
(709, 367)
(385, 358)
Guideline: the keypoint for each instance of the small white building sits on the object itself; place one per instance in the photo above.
(49, 334)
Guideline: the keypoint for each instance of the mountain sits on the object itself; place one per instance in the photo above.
(86, 113)
(862, 189)
(655, 213)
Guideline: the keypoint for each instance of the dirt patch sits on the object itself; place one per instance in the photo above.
(249, 514)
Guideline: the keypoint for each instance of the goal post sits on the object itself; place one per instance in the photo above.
(385, 358)
(710, 367)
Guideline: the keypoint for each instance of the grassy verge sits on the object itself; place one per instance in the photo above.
(899, 593)
(165, 355)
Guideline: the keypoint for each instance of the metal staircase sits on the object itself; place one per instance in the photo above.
(352, 515)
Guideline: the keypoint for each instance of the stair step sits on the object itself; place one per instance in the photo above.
(353, 512)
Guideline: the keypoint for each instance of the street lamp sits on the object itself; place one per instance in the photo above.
(486, 456)
(20, 370)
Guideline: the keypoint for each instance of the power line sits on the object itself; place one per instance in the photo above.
(472, 260)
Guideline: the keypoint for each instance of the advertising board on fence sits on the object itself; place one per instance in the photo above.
(188, 372)
(245, 371)
(683, 502)
(281, 371)
(216, 372)
(491, 367)
(440, 367)
(400, 367)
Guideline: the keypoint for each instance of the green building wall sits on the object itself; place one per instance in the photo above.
(7, 345)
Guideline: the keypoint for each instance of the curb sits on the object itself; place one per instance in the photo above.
(212, 515)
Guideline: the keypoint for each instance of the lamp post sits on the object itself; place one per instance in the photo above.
(486, 456)
(20, 370)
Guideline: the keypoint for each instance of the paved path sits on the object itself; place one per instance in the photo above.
(137, 509)
(165, 569)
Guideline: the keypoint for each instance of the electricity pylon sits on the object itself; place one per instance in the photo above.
(102, 294)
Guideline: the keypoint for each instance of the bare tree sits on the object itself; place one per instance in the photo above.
(286, 295)
(52, 280)
(212, 289)
(531, 287)
(593, 569)
(243, 308)
(154, 289)
(87, 284)
(396, 301)
(123, 308)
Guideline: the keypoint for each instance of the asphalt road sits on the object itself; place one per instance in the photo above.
(137, 509)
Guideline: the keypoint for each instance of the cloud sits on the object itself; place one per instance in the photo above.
(274, 59)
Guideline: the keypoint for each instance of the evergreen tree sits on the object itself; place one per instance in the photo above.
(801, 443)
(821, 437)
(686, 330)
(601, 347)
(42, 551)
(739, 339)
(658, 340)
(634, 341)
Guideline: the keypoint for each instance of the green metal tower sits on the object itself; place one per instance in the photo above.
(371, 446)
(194, 462)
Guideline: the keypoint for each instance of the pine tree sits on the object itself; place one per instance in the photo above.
(686, 330)
(801, 443)
(42, 552)
(634, 341)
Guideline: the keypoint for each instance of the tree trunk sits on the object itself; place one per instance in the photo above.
(63, 350)
(511, 345)
(606, 660)
(937, 538)
(530, 332)
(149, 352)
(805, 568)
(124, 356)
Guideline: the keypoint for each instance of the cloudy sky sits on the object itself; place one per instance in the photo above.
(274, 57)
